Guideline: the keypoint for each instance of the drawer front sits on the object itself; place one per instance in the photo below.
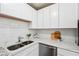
(66, 53)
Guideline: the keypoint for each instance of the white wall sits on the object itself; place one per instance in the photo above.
(11, 29)
(68, 35)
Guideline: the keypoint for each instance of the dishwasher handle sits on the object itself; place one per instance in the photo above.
(53, 50)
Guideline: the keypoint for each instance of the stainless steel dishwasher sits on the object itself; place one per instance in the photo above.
(47, 50)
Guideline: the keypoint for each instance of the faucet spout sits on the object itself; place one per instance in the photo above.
(19, 38)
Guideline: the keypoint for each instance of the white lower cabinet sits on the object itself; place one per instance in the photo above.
(34, 50)
(62, 52)
(33, 53)
(29, 51)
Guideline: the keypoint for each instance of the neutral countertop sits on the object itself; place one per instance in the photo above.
(63, 45)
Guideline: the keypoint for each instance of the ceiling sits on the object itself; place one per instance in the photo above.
(38, 6)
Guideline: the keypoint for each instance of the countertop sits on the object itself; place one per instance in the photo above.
(63, 45)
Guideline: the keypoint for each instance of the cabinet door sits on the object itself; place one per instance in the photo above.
(10, 9)
(34, 51)
(54, 16)
(34, 19)
(46, 18)
(63, 52)
(68, 15)
(22, 11)
(40, 16)
(28, 12)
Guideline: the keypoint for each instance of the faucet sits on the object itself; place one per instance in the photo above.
(19, 38)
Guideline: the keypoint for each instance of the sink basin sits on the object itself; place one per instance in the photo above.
(27, 42)
(17, 46)
(14, 47)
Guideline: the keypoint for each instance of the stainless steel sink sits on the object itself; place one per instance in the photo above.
(27, 42)
(17, 46)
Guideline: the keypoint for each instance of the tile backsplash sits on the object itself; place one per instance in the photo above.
(68, 35)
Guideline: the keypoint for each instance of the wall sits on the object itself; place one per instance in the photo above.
(68, 35)
(11, 29)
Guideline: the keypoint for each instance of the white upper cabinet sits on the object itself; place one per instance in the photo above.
(53, 16)
(68, 15)
(62, 15)
(48, 17)
(34, 19)
(23, 11)
(40, 18)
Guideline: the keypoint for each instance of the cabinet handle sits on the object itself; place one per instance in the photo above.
(53, 48)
